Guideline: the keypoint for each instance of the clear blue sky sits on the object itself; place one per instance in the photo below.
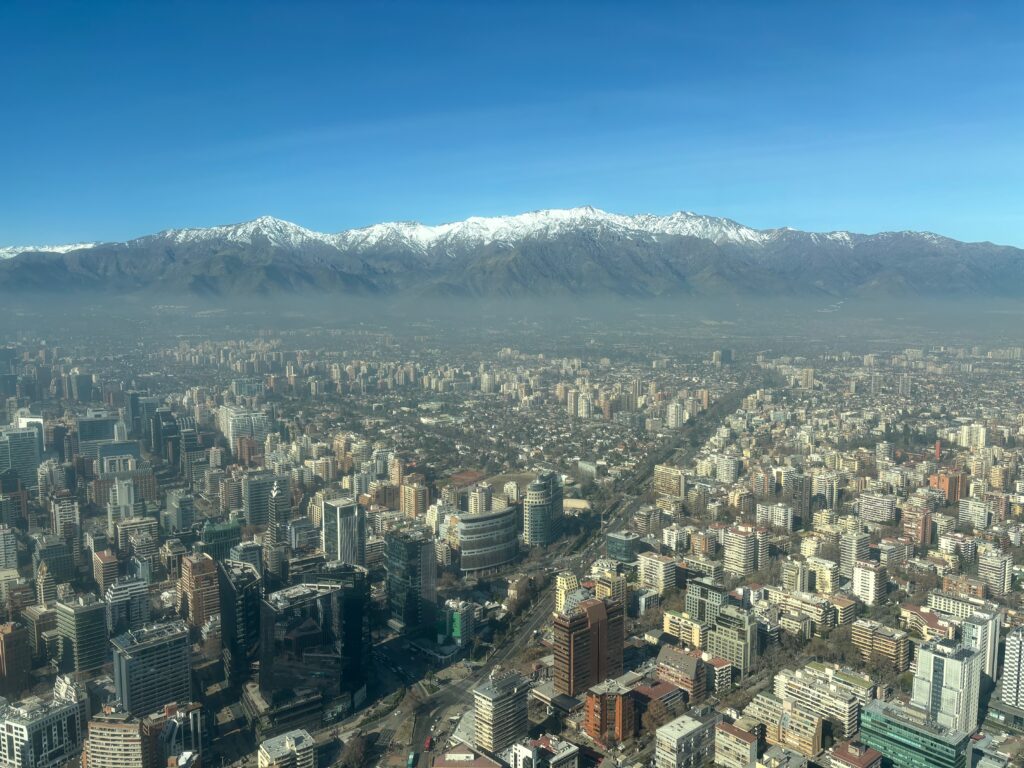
(121, 119)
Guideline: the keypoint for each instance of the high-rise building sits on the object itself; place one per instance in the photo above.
(20, 451)
(853, 547)
(256, 488)
(740, 552)
(414, 499)
(542, 510)
(127, 605)
(734, 747)
(500, 710)
(827, 691)
(275, 539)
(198, 598)
(114, 741)
(240, 594)
(294, 749)
(1011, 684)
(608, 712)
(657, 572)
(947, 684)
(176, 731)
(217, 539)
(704, 599)
(980, 632)
(687, 741)
(875, 641)
(8, 548)
(565, 584)
(343, 536)
(588, 644)
(104, 569)
(621, 545)
(152, 666)
(485, 541)
(870, 581)
(907, 738)
(733, 637)
(247, 552)
(480, 499)
(82, 629)
(315, 637)
(995, 568)
(40, 733)
(877, 508)
(15, 660)
(412, 578)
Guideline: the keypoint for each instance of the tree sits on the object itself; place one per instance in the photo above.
(657, 715)
(354, 753)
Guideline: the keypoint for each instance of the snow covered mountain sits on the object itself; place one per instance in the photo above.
(10, 251)
(568, 251)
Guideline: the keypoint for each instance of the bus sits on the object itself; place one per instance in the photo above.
(411, 762)
(428, 743)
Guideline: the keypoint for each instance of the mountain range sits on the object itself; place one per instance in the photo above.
(577, 251)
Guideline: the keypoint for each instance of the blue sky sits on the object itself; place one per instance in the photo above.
(121, 119)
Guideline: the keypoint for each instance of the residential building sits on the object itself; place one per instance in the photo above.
(114, 741)
(608, 713)
(688, 741)
(877, 641)
(294, 749)
(152, 666)
(198, 597)
(947, 684)
(870, 582)
(657, 572)
(500, 710)
(734, 748)
(1011, 684)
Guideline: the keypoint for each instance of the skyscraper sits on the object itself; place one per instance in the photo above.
(19, 450)
(240, 595)
(947, 684)
(302, 649)
(82, 628)
(588, 644)
(412, 578)
(152, 667)
(542, 509)
(15, 660)
(343, 536)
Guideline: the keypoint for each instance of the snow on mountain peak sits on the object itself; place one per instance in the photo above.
(9, 252)
(474, 232)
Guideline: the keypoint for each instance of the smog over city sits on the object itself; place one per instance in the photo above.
(511, 385)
